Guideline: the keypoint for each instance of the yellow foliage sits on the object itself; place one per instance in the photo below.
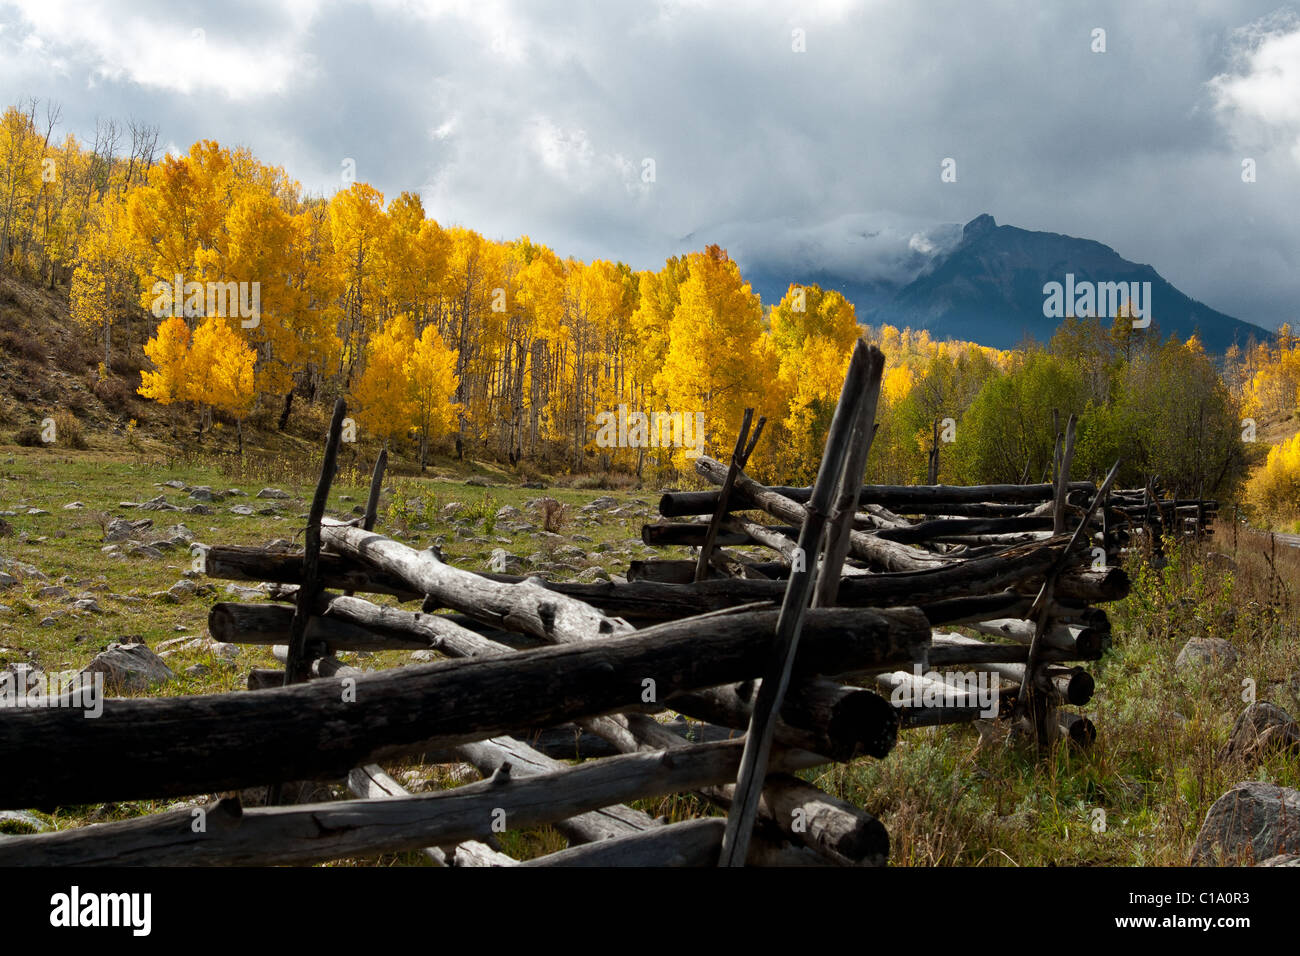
(1275, 486)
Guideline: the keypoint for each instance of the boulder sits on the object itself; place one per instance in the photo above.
(1206, 650)
(1252, 821)
(129, 667)
(1259, 728)
(275, 493)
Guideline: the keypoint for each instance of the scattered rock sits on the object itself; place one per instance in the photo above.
(73, 506)
(200, 510)
(1206, 650)
(52, 593)
(183, 589)
(1282, 859)
(87, 604)
(129, 667)
(7, 580)
(423, 657)
(1253, 820)
(1260, 728)
(119, 529)
(276, 493)
(506, 512)
(175, 483)
(204, 493)
(37, 512)
(477, 482)
(137, 550)
(241, 510)
(224, 649)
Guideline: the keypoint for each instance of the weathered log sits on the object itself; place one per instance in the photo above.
(218, 742)
(1078, 729)
(648, 601)
(298, 668)
(372, 783)
(689, 843)
(888, 554)
(679, 504)
(686, 535)
(839, 832)
(317, 832)
(525, 606)
(818, 715)
(1087, 642)
(489, 756)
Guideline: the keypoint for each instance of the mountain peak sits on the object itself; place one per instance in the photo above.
(978, 226)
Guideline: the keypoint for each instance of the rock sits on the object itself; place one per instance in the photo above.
(533, 484)
(87, 604)
(73, 506)
(423, 657)
(224, 649)
(178, 534)
(1260, 728)
(183, 589)
(1206, 650)
(119, 529)
(1282, 859)
(52, 592)
(7, 580)
(593, 574)
(21, 821)
(1253, 820)
(175, 483)
(236, 493)
(477, 482)
(200, 510)
(241, 510)
(37, 512)
(158, 504)
(197, 670)
(137, 550)
(274, 493)
(204, 493)
(129, 667)
(508, 511)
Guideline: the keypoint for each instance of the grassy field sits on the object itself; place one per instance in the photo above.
(947, 795)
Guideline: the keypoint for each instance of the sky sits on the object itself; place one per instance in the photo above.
(798, 135)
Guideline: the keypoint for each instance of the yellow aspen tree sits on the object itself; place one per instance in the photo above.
(382, 393)
(431, 374)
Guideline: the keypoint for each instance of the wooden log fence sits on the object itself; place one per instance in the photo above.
(809, 626)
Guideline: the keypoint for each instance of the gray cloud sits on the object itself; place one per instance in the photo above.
(536, 118)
